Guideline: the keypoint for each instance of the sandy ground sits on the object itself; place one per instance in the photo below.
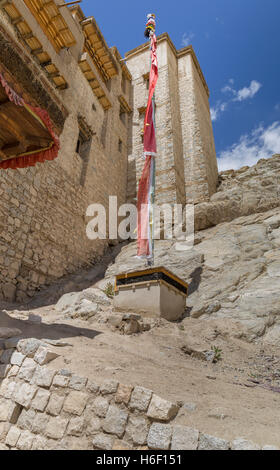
(155, 360)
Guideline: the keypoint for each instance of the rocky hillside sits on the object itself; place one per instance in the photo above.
(247, 191)
(234, 267)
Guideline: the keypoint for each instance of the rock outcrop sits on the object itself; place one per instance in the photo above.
(233, 269)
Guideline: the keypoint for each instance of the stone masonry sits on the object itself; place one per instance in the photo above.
(43, 209)
(186, 168)
(45, 409)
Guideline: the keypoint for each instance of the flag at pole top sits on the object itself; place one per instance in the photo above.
(146, 190)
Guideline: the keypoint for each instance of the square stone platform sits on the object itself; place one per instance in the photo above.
(153, 292)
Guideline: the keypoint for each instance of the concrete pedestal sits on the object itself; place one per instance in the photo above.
(153, 292)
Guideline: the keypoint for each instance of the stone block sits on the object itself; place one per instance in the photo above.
(29, 346)
(123, 394)
(108, 387)
(56, 427)
(243, 444)
(24, 394)
(55, 404)
(8, 388)
(94, 426)
(76, 426)
(115, 421)
(100, 406)
(121, 445)
(17, 359)
(41, 399)
(159, 436)
(13, 372)
(207, 442)
(44, 356)
(40, 423)
(137, 430)
(25, 440)
(27, 369)
(161, 409)
(9, 411)
(12, 436)
(77, 383)
(26, 419)
(61, 381)
(75, 403)
(103, 441)
(184, 438)
(4, 429)
(43, 376)
(140, 399)
(39, 443)
(92, 387)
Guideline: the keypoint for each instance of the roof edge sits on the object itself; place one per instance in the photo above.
(178, 53)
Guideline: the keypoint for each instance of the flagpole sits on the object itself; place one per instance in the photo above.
(147, 183)
(151, 261)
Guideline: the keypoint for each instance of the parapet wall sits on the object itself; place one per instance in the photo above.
(45, 409)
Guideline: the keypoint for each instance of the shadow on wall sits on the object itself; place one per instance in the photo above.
(76, 282)
(193, 287)
(54, 331)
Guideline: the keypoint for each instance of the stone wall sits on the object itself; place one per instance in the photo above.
(46, 409)
(43, 209)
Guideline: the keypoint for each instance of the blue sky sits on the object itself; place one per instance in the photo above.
(237, 43)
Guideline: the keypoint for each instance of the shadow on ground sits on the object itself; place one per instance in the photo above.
(54, 331)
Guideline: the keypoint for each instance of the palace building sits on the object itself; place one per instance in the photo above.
(71, 120)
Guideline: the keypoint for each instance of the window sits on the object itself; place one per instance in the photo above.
(120, 146)
(123, 116)
(146, 78)
(80, 148)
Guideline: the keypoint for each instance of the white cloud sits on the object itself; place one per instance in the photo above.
(248, 92)
(217, 110)
(261, 143)
(186, 39)
(237, 95)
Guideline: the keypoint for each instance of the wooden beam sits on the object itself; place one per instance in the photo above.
(69, 3)
(37, 51)
(14, 149)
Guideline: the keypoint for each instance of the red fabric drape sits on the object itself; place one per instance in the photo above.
(143, 210)
(144, 202)
(150, 147)
(40, 156)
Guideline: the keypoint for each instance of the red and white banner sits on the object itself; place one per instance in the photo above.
(145, 190)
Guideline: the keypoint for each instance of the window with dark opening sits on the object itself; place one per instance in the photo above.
(120, 146)
(80, 148)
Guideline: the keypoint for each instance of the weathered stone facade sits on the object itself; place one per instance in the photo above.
(186, 166)
(43, 209)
